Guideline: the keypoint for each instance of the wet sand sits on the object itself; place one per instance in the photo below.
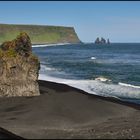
(65, 112)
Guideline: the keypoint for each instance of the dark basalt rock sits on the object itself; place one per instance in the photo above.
(97, 41)
(101, 41)
(108, 42)
(19, 68)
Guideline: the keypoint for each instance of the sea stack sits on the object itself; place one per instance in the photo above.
(101, 41)
(108, 42)
(19, 68)
(97, 41)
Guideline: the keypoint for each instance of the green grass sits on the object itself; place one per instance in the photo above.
(39, 34)
(46, 37)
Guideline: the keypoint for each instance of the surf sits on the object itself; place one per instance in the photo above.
(102, 79)
(95, 70)
(128, 85)
(47, 45)
(93, 58)
(96, 87)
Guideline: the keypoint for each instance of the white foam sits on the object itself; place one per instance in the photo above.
(74, 83)
(102, 79)
(97, 88)
(93, 58)
(46, 45)
(44, 68)
(128, 85)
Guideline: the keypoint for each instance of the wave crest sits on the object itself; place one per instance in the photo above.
(128, 85)
(98, 88)
(46, 45)
(93, 58)
(102, 79)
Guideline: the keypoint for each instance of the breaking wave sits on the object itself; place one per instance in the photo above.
(128, 85)
(109, 72)
(97, 87)
(93, 58)
(46, 45)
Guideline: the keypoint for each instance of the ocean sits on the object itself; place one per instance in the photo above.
(109, 70)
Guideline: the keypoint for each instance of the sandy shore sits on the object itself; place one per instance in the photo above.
(65, 112)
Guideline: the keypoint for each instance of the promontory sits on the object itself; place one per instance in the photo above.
(39, 34)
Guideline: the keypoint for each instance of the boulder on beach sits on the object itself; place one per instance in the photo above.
(19, 68)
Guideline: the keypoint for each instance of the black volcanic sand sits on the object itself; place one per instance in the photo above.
(65, 112)
(4, 134)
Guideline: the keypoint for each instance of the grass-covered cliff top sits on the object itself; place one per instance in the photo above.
(39, 34)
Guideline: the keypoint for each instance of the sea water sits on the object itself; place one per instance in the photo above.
(110, 70)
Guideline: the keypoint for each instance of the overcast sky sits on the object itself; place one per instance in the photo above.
(119, 21)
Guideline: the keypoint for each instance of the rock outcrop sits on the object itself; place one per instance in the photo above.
(108, 42)
(102, 41)
(97, 41)
(19, 68)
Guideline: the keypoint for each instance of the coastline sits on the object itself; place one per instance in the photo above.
(87, 85)
(53, 44)
(45, 45)
(62, 111)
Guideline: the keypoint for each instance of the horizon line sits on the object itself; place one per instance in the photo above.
(113, 43)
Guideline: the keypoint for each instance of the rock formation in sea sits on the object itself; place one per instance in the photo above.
(97, 41)
(108, 42)
(19, 68)
(101, 41)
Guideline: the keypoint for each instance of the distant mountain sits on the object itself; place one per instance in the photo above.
(39, 34)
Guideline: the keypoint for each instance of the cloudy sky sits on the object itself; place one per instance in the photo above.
(119, 21)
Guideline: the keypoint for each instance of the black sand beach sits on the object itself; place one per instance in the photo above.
(65, 112)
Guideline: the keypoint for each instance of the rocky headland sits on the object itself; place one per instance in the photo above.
(19, 68)
(40, 34)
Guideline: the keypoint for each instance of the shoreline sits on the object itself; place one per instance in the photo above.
(84, 86)
(54, 44)
(62, 111)
(110, 99)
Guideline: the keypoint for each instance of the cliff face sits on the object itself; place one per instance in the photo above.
(40, 34)
(19, 68)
